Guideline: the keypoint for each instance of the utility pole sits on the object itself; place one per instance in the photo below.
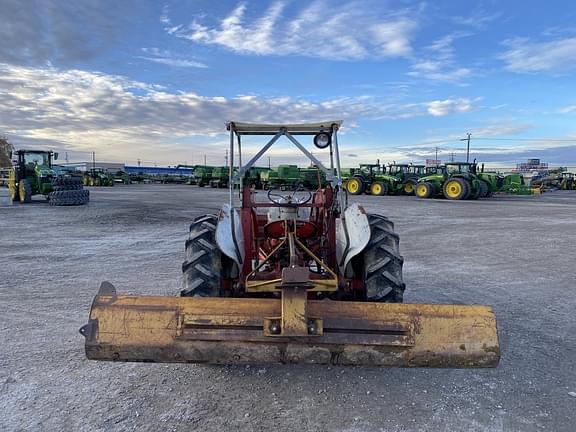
(436, 158)
(269, 162)
(452, 158)
(93, 159)
(467, 146)
(66, 157)
(204, 160)
(225, 158)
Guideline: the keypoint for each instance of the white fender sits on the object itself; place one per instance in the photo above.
(224, 237)
(356, 223)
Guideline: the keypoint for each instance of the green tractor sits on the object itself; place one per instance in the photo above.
(33, 174)
(372, 179)
(97, 177)
(407, 175)
(459, 181)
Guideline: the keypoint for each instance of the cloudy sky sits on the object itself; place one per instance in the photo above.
(157, 81)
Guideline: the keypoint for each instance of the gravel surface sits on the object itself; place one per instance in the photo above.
(514, 253)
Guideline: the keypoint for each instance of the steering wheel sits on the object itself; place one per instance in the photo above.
(289, 200)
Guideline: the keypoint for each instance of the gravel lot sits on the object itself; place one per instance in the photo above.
(514, 253)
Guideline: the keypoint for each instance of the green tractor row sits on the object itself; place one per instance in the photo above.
(378, 180)
(462, 180)
(33, 174)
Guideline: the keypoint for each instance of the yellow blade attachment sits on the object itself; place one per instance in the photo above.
(241, 331)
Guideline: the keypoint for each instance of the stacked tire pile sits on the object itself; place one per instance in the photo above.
(68, 191)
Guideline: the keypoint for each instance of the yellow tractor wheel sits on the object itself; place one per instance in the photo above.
(456, 189)
(378, 189)
(24, 191)
(408, 188)
(355, 186)
(424, 190)
(12, 186)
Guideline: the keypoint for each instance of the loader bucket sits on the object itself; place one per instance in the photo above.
(231, 331)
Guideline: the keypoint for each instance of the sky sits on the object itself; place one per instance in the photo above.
(156, 81)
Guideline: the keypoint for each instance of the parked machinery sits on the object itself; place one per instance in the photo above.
(372, 179)
(98, 177)
(295, 277)
(458, 182)
(33, 174)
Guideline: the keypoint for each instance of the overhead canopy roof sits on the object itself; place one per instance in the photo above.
(272, 129)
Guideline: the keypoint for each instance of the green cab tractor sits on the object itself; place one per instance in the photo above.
(407, 175)
(219, 178)
(459, 181)
(372, 179)
(97, 177)
(283, 177)
(33, 174)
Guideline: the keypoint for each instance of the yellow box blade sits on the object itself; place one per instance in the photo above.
(231, 331)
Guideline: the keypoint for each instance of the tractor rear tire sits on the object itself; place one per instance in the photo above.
(69, 198)
(202, 268)
(424, 190)
(483, 189)
(355, 186)
(476, 194)
(378, 188)
(381, 262)
(25, 191)
(456, 189)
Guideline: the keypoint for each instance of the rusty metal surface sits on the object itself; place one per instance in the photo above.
(230, 331)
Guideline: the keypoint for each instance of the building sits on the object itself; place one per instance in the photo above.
(158, 171)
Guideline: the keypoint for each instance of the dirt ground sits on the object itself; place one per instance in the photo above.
(514, 253)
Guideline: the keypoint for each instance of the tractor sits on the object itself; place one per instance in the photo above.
(411, 178)
(406, 175)
(372, 179)
(290, 277)
(33, 174)
(98, 177)
(459, 181)
(567, 181)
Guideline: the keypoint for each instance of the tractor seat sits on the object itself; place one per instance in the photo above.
(304, 229)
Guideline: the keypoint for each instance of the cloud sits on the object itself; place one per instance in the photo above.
(38, 32)
(567, 109)
(438, 62)
(323, 29)
(170, 59)
(478, 19)
(440, 108)
(83, 111)
(527, 56)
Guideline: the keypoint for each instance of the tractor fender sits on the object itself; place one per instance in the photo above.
(229, 237)
(352, 234)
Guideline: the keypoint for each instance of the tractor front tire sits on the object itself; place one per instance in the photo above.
(378, 188)
(456, 189)
(202, 268)
(355, 186)
(424, 190)
(381, 263)
(25, 191)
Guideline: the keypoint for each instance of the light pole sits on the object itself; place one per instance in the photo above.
(467, 146)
